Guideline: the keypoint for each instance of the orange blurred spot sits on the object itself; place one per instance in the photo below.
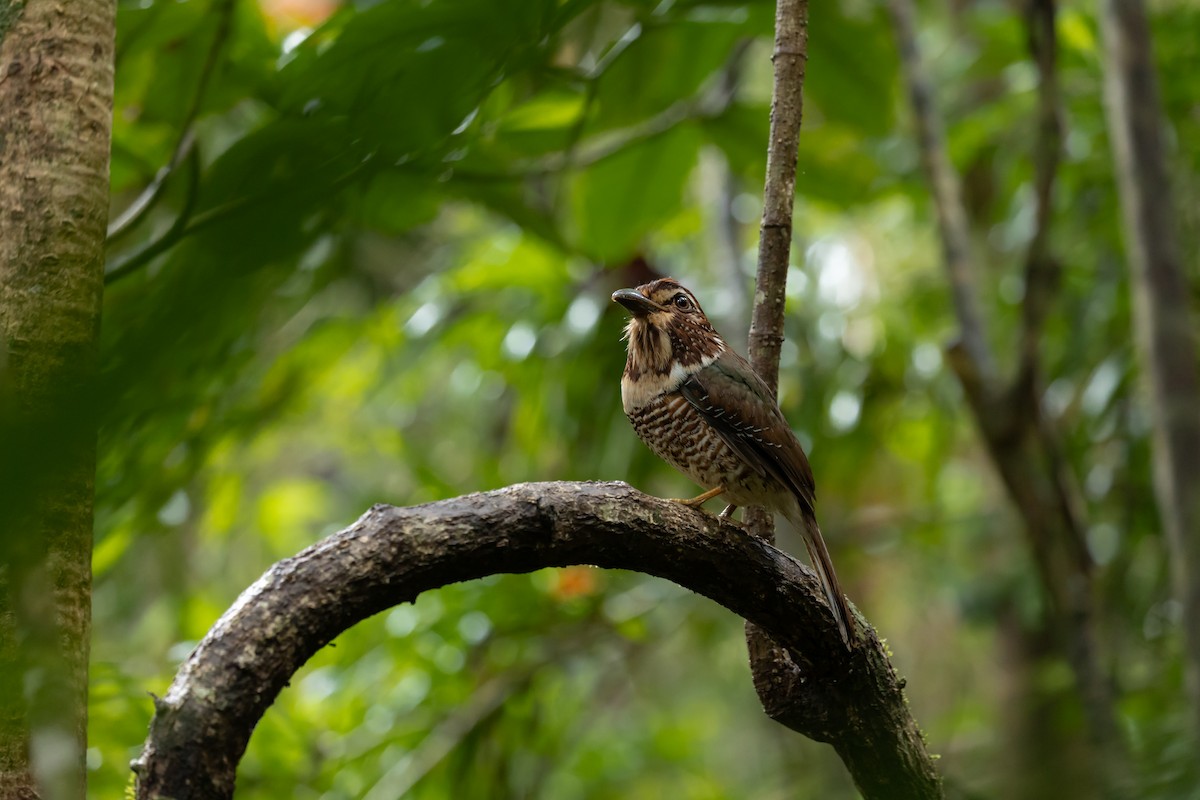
(572, 582)
(292, 14)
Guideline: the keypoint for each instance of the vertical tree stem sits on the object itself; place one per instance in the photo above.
(900, 767)
(56, 84)
(947, 193)
(775, 676)
(775, 232)
(1020, 439)
(1162, 320)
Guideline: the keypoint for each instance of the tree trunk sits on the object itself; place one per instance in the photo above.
(1162, 323)
(56, 74)
(1020, 436)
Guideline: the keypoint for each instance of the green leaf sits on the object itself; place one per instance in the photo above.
(621, 199)
(835, 163)
(666, 64)
(851, 70)
(396, 201)
(407, 73)
(741, 132)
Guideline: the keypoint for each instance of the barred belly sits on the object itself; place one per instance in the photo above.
(678, 434)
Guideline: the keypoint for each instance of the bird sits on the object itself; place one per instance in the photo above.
(703, 409)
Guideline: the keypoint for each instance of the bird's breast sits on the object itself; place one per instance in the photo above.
(679, 434)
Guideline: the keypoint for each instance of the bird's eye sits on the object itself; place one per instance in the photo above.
(682, 302)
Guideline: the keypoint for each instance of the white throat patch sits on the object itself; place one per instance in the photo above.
(648, 387)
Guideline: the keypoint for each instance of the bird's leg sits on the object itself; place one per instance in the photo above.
(696, 502)
(728, 512)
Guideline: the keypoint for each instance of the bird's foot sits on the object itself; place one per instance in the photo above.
(696, 502)
(727, 516)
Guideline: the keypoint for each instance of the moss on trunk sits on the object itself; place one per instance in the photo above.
(56, 64)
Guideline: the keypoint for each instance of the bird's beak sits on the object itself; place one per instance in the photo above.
(638, 304)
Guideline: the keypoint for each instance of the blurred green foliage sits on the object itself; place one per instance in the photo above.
(392, 286)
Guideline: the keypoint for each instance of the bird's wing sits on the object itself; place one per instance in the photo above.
(738, 405)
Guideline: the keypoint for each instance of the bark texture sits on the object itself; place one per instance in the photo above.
(775, 676)
(391, 555)
(783, 684)
(1163, 324)
(56, 65)
(779, 192)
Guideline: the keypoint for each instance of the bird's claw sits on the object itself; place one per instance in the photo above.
(696, 502)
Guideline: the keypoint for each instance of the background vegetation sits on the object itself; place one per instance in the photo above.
(377, 268)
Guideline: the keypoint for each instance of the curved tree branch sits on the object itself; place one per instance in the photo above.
(391, 555)
(173, 234)
(137, 210)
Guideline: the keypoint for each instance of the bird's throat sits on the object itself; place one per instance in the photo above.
(663, 350)
(642, 386)
(650, 350)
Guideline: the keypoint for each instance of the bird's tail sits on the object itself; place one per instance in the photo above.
(806, 524)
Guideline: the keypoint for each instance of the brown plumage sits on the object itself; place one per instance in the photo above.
(701, 407)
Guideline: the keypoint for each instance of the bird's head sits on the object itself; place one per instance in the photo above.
(667, 331)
